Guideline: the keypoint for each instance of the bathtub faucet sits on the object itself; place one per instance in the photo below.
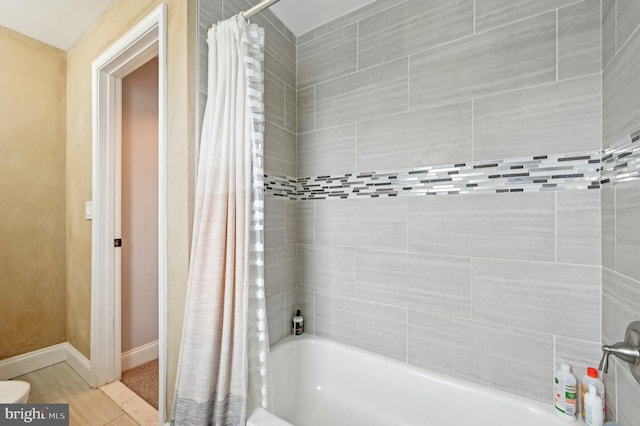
(625, 351)
(628, 351)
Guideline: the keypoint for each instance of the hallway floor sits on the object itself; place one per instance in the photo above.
(88, 407)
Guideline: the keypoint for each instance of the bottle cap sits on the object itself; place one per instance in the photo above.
(298, 313)
(565, 367)
(592, 372)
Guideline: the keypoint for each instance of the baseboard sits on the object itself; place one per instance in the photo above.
(139, 355)
(32, 361)
(42, 358)
(79, 363)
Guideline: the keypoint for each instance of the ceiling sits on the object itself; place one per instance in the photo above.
(61, 23)
(301, 16)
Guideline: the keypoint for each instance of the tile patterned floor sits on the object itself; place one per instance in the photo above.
(87, 407)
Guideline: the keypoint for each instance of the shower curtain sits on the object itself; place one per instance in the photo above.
(223, 365)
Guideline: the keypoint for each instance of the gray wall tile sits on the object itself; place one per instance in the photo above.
(202, 104)
(306, 116)
(538, 296)
(290, 222)
(356, 15)
(620, 232)
(290, 307)
(620, 93)
(620, 301)
(578, 227)
(438, 135)
(290, 109)
(628, 19)
(275, 318)
(609, 380)
(279, 151)
(268, 14)
(290, 36)
(608, 31)
(331, 270)
(307, 304)
(273, 99)
(579, 354)
(628, 229)
(487, 354)
(203, 59)
(556, 117)
(381, 38)
(579, 40)
(306, 222)
(378, 223)
(376, 91)
(511, 57)
(327, 152)
(494, 13)
(279, 269)
(433, 283)
(628, 395)
(608, 226)
(210, 12)
(306, 37)
(328, 57)
(233, 7)
(273, 222)
(279, 52)
(516, 226)
(378, 328)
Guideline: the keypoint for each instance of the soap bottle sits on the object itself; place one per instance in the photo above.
(298, 323)
(594, 416)
(591, 378)
(565, 393)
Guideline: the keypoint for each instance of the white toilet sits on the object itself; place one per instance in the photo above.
(14, 392)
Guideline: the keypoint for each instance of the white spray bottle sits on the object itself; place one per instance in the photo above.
(593, 414)
(565, 393)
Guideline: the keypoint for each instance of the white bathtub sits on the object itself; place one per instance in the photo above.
(318, 382)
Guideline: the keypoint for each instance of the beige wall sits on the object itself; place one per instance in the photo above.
(180, 125)
(32, 202)
(139, 252)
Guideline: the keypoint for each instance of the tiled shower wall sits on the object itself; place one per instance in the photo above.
(621, 203)
(279, 151)
(496, 288)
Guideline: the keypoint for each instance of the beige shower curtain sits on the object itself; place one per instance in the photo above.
(223, 363)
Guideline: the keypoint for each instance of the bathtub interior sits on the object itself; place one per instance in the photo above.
(320, 382)
(261, 417)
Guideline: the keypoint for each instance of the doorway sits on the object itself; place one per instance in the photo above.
(139, 232)
(144, 42)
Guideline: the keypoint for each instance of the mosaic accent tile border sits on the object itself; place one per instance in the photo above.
(281, 187)
(621, 161)
(554, 172)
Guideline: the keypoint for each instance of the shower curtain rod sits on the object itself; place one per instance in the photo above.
(258, 8)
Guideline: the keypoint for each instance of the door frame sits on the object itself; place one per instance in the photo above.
(147, 39)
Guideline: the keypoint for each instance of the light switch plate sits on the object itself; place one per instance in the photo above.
(88, 210)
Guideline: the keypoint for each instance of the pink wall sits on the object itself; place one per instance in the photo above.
(140, 206)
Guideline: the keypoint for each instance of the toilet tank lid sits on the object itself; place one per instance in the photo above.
(13, 390)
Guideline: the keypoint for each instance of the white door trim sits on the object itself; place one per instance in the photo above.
(144, 41)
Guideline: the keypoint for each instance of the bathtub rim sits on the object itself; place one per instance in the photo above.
(535, 406)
